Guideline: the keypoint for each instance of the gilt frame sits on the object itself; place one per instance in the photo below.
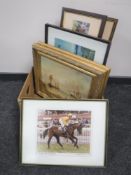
(50, 70)
(102, 72)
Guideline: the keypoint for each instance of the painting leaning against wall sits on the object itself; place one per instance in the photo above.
(54, 80)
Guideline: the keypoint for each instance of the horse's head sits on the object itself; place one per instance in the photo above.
(79, 127)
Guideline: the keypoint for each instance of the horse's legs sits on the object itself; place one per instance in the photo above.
(72, 140)
(58, 140)
(49, 139)
(72, 137)
(76, 141)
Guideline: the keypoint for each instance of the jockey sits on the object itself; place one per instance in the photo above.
(74, 118)
(64, 121)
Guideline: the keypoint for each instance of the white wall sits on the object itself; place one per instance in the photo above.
(22, 24)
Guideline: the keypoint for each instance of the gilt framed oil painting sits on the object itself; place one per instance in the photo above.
(58, 79)
(78, 65)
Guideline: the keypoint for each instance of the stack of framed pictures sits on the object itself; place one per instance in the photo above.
(62, 75)
(86, 34)
(64, 82)
(69, 78)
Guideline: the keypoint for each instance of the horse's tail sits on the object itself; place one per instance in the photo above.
(45, 132)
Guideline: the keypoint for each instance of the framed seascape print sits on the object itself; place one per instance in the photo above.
(58, 79)
(109, 29)
(100, 71)
(87, 47)
(84, 22)
(81, 142)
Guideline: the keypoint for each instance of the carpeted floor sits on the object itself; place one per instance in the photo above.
(119, 135)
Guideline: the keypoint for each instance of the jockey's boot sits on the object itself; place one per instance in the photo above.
(63, 129)
(66, 132)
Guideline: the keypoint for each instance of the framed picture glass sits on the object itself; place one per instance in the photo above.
(84, 22)
(109, 29)
(80, 142)
(85, 46)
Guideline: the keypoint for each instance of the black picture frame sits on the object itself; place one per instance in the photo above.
(81, 37)
(81, 13)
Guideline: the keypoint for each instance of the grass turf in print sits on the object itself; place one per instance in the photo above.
(51, 138)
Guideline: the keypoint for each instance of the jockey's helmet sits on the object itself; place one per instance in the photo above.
(74, 117)
(70, 115)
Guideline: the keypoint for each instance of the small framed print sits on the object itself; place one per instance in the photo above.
(109, 29)
(44, 142)
(88, 47)
(83, 22)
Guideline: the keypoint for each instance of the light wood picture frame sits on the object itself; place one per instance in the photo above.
(55, 78)
(84, 22)
(38, 147)
(102, 72)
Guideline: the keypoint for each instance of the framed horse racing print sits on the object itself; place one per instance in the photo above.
(82, 143)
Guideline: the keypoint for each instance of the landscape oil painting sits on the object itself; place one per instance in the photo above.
(75, 49)
(52, 139)
(63, 81)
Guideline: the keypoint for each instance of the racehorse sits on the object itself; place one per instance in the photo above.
(56, 132)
